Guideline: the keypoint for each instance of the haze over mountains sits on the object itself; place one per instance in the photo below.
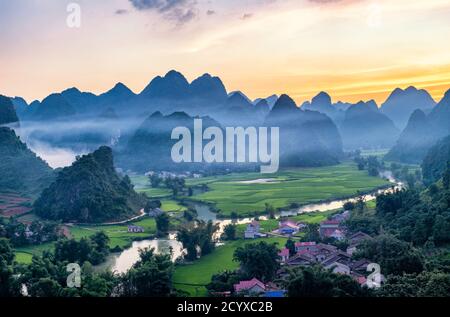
(422, 132)
(83, 121)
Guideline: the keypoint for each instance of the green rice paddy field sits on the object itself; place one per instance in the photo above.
(245, 194)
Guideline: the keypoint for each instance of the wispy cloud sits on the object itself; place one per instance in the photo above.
(247, 16)
(180, 11)
(121, 11)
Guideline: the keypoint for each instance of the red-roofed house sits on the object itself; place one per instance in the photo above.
(330, 229)
(254, 286)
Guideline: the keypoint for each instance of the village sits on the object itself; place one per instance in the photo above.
(310, 253)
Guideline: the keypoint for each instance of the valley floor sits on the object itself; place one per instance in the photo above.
(247, 193)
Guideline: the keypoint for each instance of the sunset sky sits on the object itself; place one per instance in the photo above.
(353, 49)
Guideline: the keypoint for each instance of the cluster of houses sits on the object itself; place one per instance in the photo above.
(329, 256)
(311, 253)
(331, 228)
(308, 254)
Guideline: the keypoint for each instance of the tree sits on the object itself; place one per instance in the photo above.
(8, 285)
(151, 276)
(258, 260)
(349, 205)
(270, 210)
(425, 284)
(393, 255)
(151, 205)
(290, 245)
(317, 282)
(311, 232)
(46, 287)
(162, 224)
(197, 237)
(155, 180)
(223, 282)
(229, 232)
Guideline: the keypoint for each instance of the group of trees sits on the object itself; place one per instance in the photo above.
(93, 249)
(176, 184)
(197, 238)
(371, 163)
(229, 232)
(20, 234)
(47, 275)
(151, 276)
(413, 178)
(316, 281)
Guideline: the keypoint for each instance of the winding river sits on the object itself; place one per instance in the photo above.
(123, 261)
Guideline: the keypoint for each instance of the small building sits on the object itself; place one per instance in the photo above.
(356, 240)
(135, 229)
(360, 266)
(251, 287)
(252, 230)
(359, 238)
(288, 227)
(302, 246)
(338, 268)
(331, 229)
(343, 216)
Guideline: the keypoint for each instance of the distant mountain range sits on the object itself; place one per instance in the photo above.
(422, 132)
(402, 103)
(360, 125)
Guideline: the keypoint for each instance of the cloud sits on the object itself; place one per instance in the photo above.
(340, 2)
(181, 11)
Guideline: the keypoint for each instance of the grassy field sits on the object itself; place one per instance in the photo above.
(201, 271)
(172, 206)
(23, 257)
(142, 185)
(118, 237)
(302, 185)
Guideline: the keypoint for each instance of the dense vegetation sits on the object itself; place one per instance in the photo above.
(20, 169)
(436, 161)
(90, 191)
(19, 234)
(7, 112)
